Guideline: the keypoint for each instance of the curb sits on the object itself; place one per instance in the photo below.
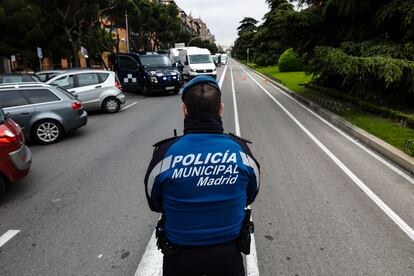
(395, 155)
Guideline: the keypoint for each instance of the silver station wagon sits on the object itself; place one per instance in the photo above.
(44, 112)
(97, 89)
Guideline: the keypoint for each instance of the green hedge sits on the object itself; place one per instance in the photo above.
(373, 77)
(388, 113)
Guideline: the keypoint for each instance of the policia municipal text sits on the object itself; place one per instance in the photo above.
(202, 183)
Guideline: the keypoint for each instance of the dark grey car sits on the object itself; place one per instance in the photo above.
(45, 113)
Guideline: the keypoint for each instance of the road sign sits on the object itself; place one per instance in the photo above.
(84, 52)
(39, 52)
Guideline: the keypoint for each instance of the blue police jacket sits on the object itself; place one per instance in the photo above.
(202, 182)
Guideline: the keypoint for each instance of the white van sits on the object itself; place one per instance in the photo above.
(197, 62)
(224, 59)
(174, 54)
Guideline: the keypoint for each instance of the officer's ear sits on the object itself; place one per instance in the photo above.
(185, 111)
(221, 108)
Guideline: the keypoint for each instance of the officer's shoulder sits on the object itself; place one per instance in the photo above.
(166, 141)
(238, 138)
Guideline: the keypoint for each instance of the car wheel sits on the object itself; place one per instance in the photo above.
(2, 186)
(111, 105)
(47, 132)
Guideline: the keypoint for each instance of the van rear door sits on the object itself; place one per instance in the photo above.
(128, 73)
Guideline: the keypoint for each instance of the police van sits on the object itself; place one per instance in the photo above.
(148, 72)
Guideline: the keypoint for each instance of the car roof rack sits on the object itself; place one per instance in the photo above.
(22, 85)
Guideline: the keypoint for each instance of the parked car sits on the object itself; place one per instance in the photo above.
(197, 62)
(15, 156)
(47, 75)
(148, 72)
(97, 89)
(44, 112)
(18, 78)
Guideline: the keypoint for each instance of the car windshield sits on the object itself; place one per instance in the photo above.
(2, 116)
(12, 79)
(18, 78)
(199, 59)
(155, 61)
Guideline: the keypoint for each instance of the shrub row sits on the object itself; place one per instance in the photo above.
(388, 113)
(372, 77)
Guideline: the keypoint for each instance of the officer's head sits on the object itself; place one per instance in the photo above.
(202, 95)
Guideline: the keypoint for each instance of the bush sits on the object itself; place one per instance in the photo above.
(264, 60)
(290, 62)
(374, 77)
(388, 113)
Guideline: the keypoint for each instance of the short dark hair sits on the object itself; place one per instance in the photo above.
(203, 99)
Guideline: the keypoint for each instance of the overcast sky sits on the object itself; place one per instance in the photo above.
(223, 16)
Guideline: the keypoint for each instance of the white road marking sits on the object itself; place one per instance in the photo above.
(236, 111)
(128, 106)
(387, 210)
(252, 265)
(8, 236)
(348, 137)
(223, 75)
(151, 261)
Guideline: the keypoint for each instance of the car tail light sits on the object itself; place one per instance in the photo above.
(118, 85)
(6, 136)
(76, 105)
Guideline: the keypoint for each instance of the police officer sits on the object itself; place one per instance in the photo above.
(202, 183)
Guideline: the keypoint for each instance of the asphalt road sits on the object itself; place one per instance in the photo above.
(82, 210)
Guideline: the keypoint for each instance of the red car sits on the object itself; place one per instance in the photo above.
(15, 156)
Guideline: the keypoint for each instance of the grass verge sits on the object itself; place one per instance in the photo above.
(385, 129)
(292, 80)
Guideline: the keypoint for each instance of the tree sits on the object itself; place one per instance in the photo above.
(247, 30)
(273, 36)
(23, 29)
(247, 25)
(76, 18)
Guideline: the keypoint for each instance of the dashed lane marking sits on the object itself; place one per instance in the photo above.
(381, 204)
(346, 136)
(252, 265)
(151, 261)
(128, 106)
(8, 236)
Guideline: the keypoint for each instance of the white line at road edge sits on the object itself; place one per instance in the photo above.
(151, 261)
(387, 210)
(349, 138)
(128, 106)
(8, 236)
(252, 265)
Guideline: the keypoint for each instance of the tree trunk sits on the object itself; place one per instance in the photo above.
(75, 56)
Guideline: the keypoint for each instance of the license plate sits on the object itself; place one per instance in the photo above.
(170, 88)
